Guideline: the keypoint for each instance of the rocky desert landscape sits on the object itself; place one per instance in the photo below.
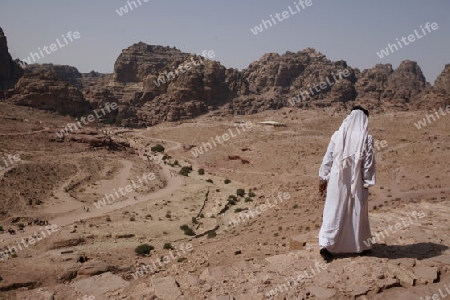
(206, 186)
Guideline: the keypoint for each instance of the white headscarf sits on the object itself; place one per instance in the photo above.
(350, 141)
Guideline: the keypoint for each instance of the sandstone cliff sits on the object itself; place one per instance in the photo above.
(10, 71)
(153, 84)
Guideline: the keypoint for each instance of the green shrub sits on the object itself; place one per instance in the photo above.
(144, 249)
(237, 210)
(185, 171)
(248, 199)
(187, 230)
(38, 202)
(168, 246)
(20, 225)
(251, 194)
(227, 181)
(201, 171)
(240, 192)
(231, 201)
(157, 148)
(233, 197)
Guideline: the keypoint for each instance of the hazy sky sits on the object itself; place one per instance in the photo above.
(352, 30)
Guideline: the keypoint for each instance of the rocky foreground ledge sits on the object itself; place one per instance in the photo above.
(412, 262)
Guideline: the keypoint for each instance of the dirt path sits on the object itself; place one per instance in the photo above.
(76, 213)
(25, 133)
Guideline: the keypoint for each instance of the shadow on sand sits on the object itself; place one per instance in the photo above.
(418, 251)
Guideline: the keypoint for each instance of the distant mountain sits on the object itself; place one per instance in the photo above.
(153, 84)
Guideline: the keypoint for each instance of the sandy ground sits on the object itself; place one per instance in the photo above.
(243, 262)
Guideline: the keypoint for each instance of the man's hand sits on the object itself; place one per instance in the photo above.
(323, 187)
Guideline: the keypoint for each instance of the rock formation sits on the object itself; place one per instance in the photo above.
(153, 84)
(442, 83)
(51, 87)
(10, 71)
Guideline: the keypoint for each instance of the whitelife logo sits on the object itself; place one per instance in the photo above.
(284, 15)
(91, 118)
(411, 38)
(49, 49)
(201, 149)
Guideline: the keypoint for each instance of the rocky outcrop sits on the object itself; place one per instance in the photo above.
(406, 82)
(373, 82)
(10, 71)
(442, 83)
(153, 84)
(135, 63)
(51, 87)
(156, 84)
(383, 83)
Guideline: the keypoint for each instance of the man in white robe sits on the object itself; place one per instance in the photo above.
(347, 171)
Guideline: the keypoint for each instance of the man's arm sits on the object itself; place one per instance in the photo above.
(369, 177)
(327, 162)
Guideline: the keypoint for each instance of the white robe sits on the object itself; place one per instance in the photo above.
(349, 167)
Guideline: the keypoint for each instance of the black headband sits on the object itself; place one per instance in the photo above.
(358, 107)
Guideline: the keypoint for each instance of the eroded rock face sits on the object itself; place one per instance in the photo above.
(442, 83)
(150, 88)
(140, 60)
(51, 87)
(373, 82)
(10, 71)
(406, 82)
(389, 89)
(149, 82)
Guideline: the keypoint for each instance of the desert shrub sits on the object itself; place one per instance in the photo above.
(1, 228)
(185, 171)
(168, 246)
(20, 225)
(194, 220)
(210, 181)
(227, 181)
(231, 201)
(212, 234)
(144, 249)
(157, 148)
(233, 197)
(38, 202)
(132, 219)
(295, 206)
(201, 171)
(251, 194)
(248, 199)
(187, 230)
(240, 209)
(108, 219)
(181, 259)
(240, 192)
